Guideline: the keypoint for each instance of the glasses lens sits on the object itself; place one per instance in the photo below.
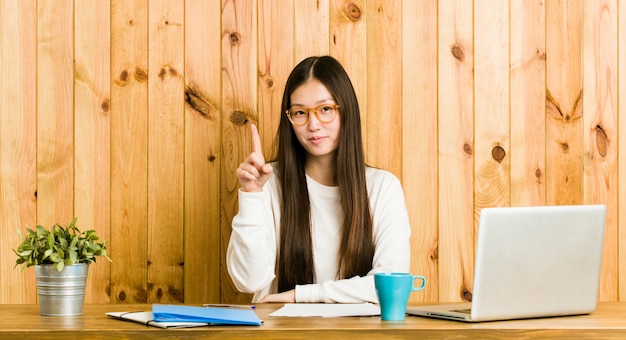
(325, 113)
(298, 115)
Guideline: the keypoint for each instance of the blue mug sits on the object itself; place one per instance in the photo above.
(393, 290)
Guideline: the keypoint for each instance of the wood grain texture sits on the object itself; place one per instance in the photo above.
(311, 28)
(445, 87)
(563, 102)
(275, 62)
(23, 322)
(419, 139)
(383, 108)
(599, 126)
(92, 106)
(18, 126)
(166, 22)
(621, 149)
(492, 161)
(129, 151)
(455, 251)
(202, 153)
(55, 112)
(528, 83)
(239, 109)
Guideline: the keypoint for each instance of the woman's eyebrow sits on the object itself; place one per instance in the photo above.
(317, 103)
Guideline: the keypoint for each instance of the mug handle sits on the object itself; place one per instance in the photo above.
(423, 282)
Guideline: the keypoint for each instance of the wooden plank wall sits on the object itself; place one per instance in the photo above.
(133, 116)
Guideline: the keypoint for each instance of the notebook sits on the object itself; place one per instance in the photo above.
(181, 316)
(211, 315)
(532, 262)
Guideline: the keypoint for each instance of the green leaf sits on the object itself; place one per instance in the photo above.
(60, 246)
(50, 240)
(74, 242)
(60, 252)
(55, 257)
(25, 253)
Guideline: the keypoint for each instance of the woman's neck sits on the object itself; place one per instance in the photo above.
(322, 170)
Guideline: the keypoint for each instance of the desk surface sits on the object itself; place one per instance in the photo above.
(24, 322)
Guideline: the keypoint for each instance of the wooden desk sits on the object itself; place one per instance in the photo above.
(24, 322)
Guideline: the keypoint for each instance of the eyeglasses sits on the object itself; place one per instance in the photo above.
(325, 113)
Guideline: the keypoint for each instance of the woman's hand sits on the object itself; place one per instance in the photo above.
(253, 172)
(284, 297)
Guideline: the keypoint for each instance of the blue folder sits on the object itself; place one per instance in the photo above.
(211, 315)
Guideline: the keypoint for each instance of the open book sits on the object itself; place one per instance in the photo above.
(179, 316)
(147, 318)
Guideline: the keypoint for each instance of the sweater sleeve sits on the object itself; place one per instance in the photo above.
(251, 253)
(392, 233)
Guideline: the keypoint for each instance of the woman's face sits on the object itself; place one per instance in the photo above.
(318, 139)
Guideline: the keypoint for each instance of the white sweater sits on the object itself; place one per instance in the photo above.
(254, 242)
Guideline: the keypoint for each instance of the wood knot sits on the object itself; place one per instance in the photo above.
(196, 102)
(106, 105)
(498, 153)
(541, 54)
(466, 295)
(269, 82)
(602, 141)
(538, 173)
(564, 147)
(354, 12)
(159, 293)
(238, 118)
(211, 158)
(175, 294)
(124, 75)
(458, 53)
(434, 254)
(141, 75)
(467, 149)
(167, 69)
(121, 296)
(234, 38)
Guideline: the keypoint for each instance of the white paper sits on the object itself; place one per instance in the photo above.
(327, 310)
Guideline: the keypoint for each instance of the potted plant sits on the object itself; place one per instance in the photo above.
(61, 256)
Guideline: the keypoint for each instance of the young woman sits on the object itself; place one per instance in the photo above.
(316, 224)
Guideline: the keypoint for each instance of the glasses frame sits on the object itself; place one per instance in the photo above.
(315, 112)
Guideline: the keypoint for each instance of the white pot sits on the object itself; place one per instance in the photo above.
(61, 293)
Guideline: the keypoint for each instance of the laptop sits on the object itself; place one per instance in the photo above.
(532, 262)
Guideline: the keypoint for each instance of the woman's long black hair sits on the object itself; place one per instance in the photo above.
(295, 260)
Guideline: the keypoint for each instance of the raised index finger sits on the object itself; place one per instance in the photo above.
(256, 140)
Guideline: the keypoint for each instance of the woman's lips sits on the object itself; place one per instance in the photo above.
(316, 139)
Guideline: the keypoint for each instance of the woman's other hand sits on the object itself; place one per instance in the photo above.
(253, 172)
(284, 297)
